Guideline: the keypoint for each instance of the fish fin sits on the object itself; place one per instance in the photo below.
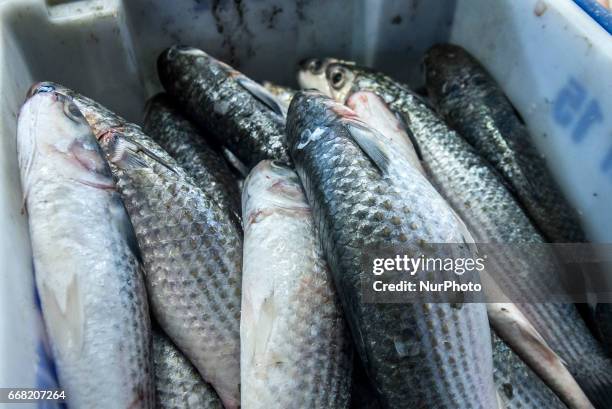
(514, 328)
(123, 224)
(500, 401)
(404, 121)
(155, 157)
(123, 154)
(63, 311)
(262, 95)
(234, 162)
(265, 325)
(368, 143)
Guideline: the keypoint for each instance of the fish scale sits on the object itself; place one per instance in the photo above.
(191, 248)
(177, 382)
(183, 142)
(480, 197)
(356, 208)
(210, 94)
(473, 104)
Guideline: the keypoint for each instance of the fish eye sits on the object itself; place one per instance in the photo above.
(71, 111)
(337, 78)
(315, 66)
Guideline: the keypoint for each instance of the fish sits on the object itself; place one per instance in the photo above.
(311, 73)
(295, 346)
(472, 103)
(191, 248)
(517, 384)
(87, 264)
(492, 214)
(182, 140)
(602, 316)
(420, 354)
(282, 93)
(241, 114)
(178, 383)
(372, 110)
(363, 394)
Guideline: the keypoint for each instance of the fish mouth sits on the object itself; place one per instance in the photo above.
(39, 87)
(280, 165)
(51, 89)
(285, 170)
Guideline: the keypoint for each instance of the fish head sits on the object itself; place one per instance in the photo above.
(446, 65)
(340, 78)
(171, 60)
(179, 52)
(160, 102)
(309, 110)
(38, 87)
(52, 87)
(311, 73)
(55, 138)
(272, 186)
(98, 117)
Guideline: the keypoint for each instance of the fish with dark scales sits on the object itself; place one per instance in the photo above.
(363, 395)
(417, 355)
(191, 247)
(178, 383)
(473, 104)
(517, 385)
(182, 140)
(241, 114)
(480, 197)
(602, 316)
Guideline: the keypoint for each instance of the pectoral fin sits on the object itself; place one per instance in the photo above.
(262, 95)
(370, 145)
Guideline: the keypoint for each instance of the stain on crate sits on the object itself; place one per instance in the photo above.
(231, 24)
(270, 16)
(540, 8)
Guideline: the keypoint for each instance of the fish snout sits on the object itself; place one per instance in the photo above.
(38, 87)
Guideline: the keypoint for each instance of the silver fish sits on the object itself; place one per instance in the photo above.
(86, 261)
(295, 347)
(428, 355)
(178, 384)
(241, 114)
(191, 247)
(182, 140)
(473, 104)
(492, 215)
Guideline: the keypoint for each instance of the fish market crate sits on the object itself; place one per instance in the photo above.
(551, 58)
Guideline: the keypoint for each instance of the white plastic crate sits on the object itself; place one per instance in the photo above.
(552, 59)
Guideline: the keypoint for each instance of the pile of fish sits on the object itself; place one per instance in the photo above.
(211, 258)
